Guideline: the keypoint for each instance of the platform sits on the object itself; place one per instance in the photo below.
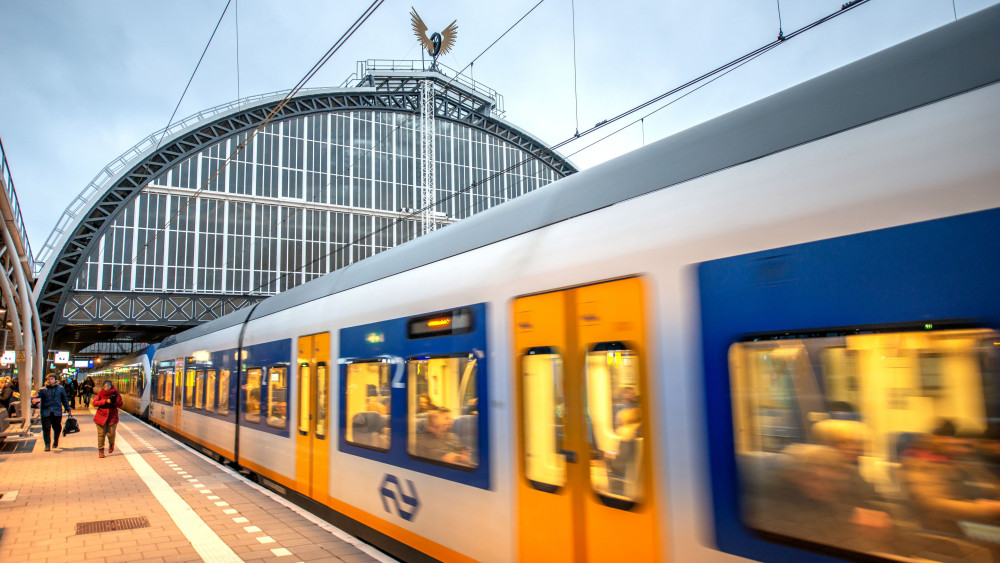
(173, 504)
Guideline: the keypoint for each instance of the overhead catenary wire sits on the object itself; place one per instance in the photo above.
(193, 73)
(277, 109)
(713, 75)
(576, 95)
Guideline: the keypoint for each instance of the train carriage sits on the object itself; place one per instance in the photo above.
(627, 364)
(131, 377)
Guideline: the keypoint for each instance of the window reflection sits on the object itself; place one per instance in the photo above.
(615, 418)
(544, 410)
(304, 396)
(321, 400)
(252, 389)
(444, 414)
(277, 397)
(210, 391)
(876, 443)
(223, 391)
(368, 403)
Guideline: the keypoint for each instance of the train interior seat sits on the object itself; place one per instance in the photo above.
(367, 428)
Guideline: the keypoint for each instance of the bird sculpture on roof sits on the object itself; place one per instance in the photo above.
(438, 43)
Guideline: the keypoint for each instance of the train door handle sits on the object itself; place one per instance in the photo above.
(570, 455)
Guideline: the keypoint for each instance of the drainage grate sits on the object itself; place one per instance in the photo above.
(111, 525)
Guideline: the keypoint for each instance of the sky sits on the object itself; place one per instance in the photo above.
(83, 81)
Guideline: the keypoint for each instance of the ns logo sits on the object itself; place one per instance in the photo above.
(405, 505)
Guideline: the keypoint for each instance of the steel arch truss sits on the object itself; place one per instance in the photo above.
(57, 297)
(182, 309)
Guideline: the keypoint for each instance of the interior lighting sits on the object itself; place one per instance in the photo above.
(434, 323)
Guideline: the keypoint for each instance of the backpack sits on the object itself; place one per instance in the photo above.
(72, 426)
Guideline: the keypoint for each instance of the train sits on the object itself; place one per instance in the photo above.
(131, 376)
(652, 359)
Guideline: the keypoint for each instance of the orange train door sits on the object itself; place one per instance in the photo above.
(585, 488)
(312, 428)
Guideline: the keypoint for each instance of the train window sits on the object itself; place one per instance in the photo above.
(304, 389)
(223, 391)
(277, 397)
(368, 404)
(252, 411)
(321, 398)
(444, 417)
(171, 385)
(544, 409)
(199, 389)
(210, 391)
(189, 388)
(615, 416)
(880, 442)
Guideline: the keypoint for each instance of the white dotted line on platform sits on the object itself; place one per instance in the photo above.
(278, 552)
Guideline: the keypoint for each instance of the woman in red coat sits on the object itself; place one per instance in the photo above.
(107, 402)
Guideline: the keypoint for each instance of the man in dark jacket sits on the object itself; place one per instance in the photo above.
(53, 400)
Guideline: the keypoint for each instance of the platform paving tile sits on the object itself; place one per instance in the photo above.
(58, 489)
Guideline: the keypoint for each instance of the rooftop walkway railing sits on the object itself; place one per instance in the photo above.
(8, 185)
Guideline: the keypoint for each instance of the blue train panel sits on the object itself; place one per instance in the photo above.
(924, 276)
(405, 341)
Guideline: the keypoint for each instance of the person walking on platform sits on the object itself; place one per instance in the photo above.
(107, 402)
(86, 390)
(70, 386)
(52, 401)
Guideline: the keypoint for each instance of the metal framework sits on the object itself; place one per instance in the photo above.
(60, 306)
(22, 331)
(427, 153)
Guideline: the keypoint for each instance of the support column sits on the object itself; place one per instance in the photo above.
(427, 153)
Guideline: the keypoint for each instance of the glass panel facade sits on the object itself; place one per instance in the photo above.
(307, 196)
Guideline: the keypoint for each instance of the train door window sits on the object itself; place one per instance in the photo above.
(304, 390)
(210, 390)
(277, 397)
(223, 391)
(842, 438)
(321, 392)
(615, 415)
(368, 403)
(253, 390)
(188, 387)
(544, 412)
(199, 389)
(443, 420)
(169, 387)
